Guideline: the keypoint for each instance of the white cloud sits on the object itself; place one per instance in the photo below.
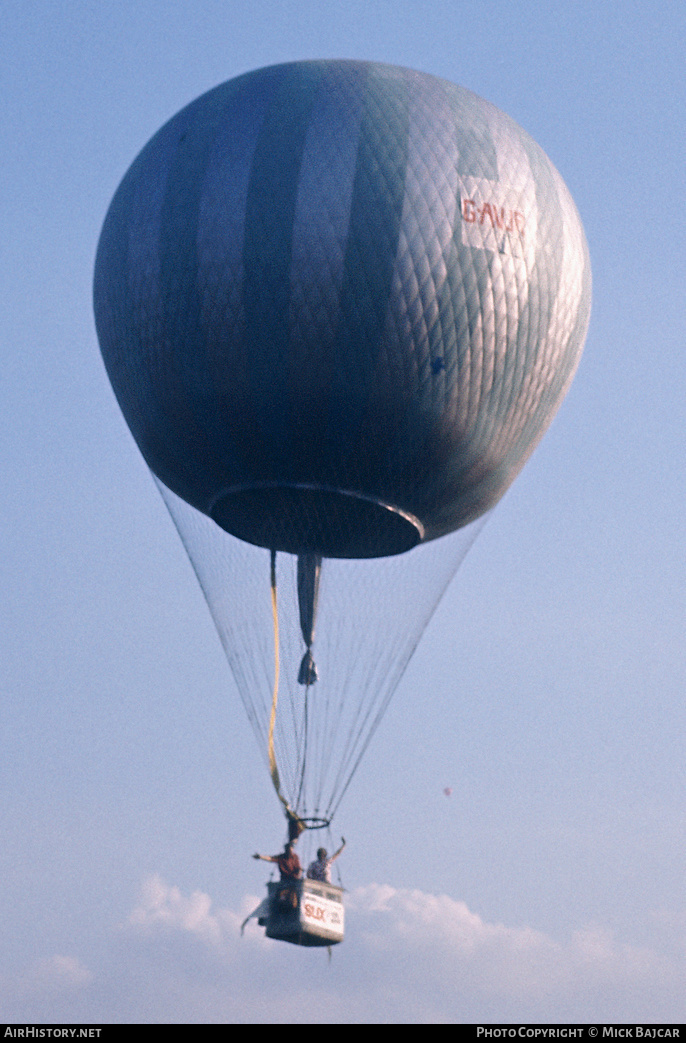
(415, 956)
(58, 973)
(409, 956)
(501, 961)
(162, 905)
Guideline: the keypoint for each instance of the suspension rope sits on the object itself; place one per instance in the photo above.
(295, 823)
(304, 748)
(273, 769)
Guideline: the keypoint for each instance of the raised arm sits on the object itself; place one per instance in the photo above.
(337, 853)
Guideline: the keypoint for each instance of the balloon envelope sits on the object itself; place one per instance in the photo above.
(339, 304)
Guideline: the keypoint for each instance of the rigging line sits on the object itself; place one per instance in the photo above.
(250, 706)
(356, 735)
(292, 726)
(364, 728)
(304, 749)
(273, 769)
(385, 697)
(335, 714)
(315, 720)
(376, 718)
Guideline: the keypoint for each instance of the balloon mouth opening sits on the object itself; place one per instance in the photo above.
(300, 519)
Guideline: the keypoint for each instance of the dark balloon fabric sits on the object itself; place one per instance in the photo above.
(339, 304)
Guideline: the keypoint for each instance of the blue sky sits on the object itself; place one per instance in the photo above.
(548, 690)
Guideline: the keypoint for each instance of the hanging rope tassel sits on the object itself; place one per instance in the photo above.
(308, 670)
(309, 572)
